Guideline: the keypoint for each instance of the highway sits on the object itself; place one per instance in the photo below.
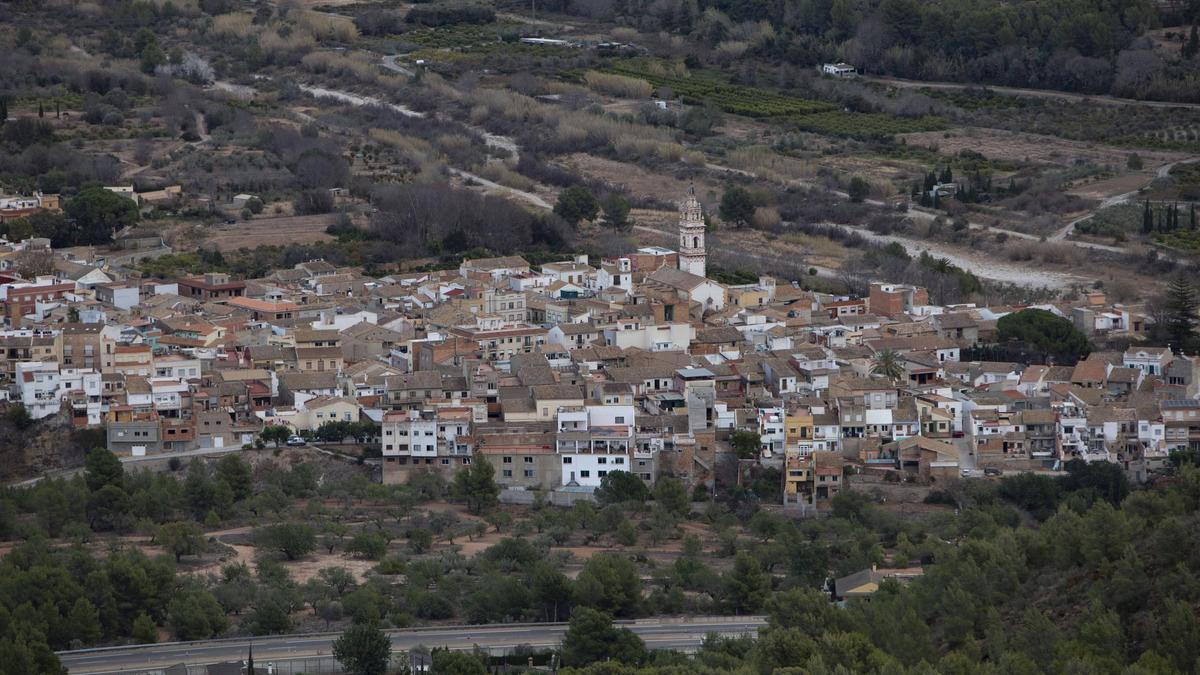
(673, 633)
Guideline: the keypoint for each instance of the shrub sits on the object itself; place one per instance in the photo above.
(618, 85)
(858, 190)
(441, 15)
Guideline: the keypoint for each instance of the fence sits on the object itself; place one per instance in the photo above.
(312, 665)
(554, 497)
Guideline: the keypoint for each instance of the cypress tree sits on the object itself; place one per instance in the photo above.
(1147, 219)
(3, 111)
(1192, 46)
(41, 111)
(1192, 218)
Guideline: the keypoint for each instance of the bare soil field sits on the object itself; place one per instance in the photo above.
(1022, 147)
(876, 170)
(1117, 185)
(641, 182)
(267, 231)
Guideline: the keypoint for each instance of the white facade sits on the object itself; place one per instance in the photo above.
(614, 275)
(842, 70)
(177, 367)
(40, 384)
(340, 322)
(1149, 361)
(414, 435)
(594, 440)
(668, 337)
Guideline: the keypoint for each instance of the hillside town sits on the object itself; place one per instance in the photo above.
(564, 372)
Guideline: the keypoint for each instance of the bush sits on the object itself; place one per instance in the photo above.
(442, 15)
(858, 190)
(312, 202)
(618, 85)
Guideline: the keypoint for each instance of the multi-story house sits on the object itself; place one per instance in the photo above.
(593, 440)
(17, 346)
(87, 345)
(498, 341)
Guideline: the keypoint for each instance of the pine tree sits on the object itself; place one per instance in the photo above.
(1181, 306)
(1192, 46)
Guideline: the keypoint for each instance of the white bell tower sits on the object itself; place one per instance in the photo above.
(692, 257)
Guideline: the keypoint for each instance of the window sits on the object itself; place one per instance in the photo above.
(602, 474)
(585, 474)
(602, 460)
(445, 461)
(620, 460)
(620, 419)
(529, 460)
(566, 460)
(529, 473)
(508, 473)
(507, 460)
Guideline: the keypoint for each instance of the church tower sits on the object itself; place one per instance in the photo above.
(691, 235)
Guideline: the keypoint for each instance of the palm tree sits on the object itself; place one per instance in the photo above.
(887, 363)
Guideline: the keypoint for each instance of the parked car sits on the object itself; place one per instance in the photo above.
(296, 441)
(991, 471)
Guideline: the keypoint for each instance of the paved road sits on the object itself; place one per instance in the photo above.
(657, 633)
(392, 63)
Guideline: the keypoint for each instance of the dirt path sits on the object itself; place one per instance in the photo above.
(921, 213)
(1021, 91)
(356, 100)
(983, 266)
(493, 186)
(1067, 230)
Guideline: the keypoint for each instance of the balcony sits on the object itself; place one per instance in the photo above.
(593, 446)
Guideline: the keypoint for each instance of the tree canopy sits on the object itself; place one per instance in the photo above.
(576, 204)
(1052, 335)
(737, 206)
(476, 485)
(363, 649)
(96, 213)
